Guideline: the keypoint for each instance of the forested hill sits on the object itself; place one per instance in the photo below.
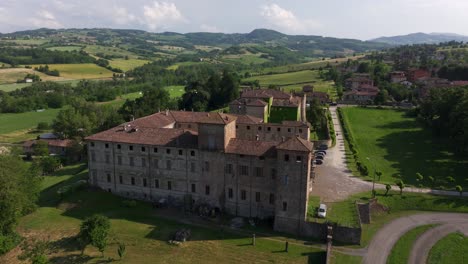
(307, 46)
(421, 38)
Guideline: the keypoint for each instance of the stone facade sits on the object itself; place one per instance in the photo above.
(259, 172)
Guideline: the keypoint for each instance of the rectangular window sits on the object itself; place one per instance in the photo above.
(192, 153)
(109, 177)
(144, 182)
(143, 149)
(92, 144)
(259, 171)
(278, 129)
(119, 146)
(181, 152)
(93, 156)
(298, 158)
(268, 128)
(192, 166)
(207, 190)
(289, 130)
(257, 197)
(194, 188)
(230, 193)
(107, 145)
(272, 198)
(133, 181)
(119, 160)
(168, 164)
(300, 130)
(107, 158)
(228, 169)
(130, 147)
(248, 127)
(169, 185)
(168, 151)
(156, 183)
(132, 161)
(143, 162)
(273, 174)
(285, 206)
(244, 170)
(259, 128)
(207, 166)
(156, 163)
(286, 157)
(155, 150)
(243, 195)
(120, 179)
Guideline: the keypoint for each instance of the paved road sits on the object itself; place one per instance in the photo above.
(422, 246)
(383, 242)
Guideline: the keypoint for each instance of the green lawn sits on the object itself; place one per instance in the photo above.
(450, 249)
(143, 232)
(109, 51)
(248, 59)
(13, 86)
(399, 147)
(13, 122)
(340, 258)
(402, 249)
(11, 75)
(175, 91)
(127, 65)
(80, 71)
(285, 79)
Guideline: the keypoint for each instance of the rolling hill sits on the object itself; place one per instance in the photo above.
(421, 38)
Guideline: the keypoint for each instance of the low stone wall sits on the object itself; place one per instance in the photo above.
(342, 234)
(363, 212)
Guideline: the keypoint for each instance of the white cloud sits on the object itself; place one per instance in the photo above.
(45, 19)
(161, 15)
(209, 28)
(122, 17)
(284, 19)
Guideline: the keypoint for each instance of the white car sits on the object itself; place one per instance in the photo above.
(322, 211)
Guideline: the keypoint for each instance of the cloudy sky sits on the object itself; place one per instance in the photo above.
(361, 19)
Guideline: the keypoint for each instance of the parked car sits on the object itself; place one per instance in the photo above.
(318, 162)
(323, 147)
(333, 104)
(319, 157)
(320, 152)
(322, 211)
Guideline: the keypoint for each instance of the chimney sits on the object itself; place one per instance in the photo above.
(167, 112)
(257, 137)
(283, 139)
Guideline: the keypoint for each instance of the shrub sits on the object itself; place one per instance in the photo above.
(129, 203)
(8, 242)
(72, 188)
(41, 126)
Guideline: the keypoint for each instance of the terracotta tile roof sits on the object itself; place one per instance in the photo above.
(249, 102)
(157, 120)
(366, 87)
(296, 144)
(63, 143)
(322, 95)
(149, 136)
(251, 147)
(248, 119)
(294, 123)
(202, 117)
(265, 93)
(460, 83)
(293, 102)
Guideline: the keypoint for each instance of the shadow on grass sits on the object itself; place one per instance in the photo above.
(72, 258)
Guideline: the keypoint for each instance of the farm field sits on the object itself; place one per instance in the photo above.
(15, 86)
(26, 42)
(399, 148)
(11, 75)
(175, 91)
(66, 48)
(144, 233)
(127, 65)
(110, 51)
(80, 71)
(450, 249)
(248, 59)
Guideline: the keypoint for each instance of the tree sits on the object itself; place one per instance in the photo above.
(388, 187)
(49, 164)
(381, 98)
(400, 185)
(94, 230)
(431, 180)
(379, 174)
(459, 189)
(450, 179)
(41, 126)
(35, 251)
(419, 177)
(121, 250)
(19, 185)
(41, 148)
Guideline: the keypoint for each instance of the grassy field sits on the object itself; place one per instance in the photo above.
(339, 258)
(450, 249)
(248, 59)
(127, 65)
(143, 232)
(400, 148)
(175, 91)
(110, 51)
(343, 213)
(26, 42)
(13, 86)
(402, 249)
(66, 48)
(11, 75)
(80, 71)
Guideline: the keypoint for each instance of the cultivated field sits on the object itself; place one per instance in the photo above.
(399, 147)
(127, 65)
(144, 232)
(247, 59)
(66, 48)
(110, 51)
(80, 71)
(11, 75)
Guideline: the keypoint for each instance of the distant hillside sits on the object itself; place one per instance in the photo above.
(148, 44)
(421, 38)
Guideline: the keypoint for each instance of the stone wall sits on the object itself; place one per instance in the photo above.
(363, 212)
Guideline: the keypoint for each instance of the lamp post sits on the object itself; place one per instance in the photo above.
(373, 181)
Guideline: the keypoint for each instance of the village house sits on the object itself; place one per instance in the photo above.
(269, 104)
(56, 146)
(233, 163)
(397, 77)
(414, 75)
(358, 80)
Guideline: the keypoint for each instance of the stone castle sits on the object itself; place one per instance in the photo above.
(235, 163)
